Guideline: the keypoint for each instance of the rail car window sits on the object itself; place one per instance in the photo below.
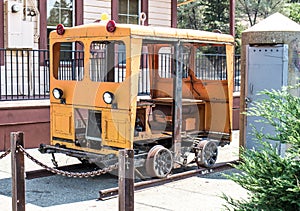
(211, 62)
(165, 56)
(87, 125)
(186, 60)
(107, 61)
(166, 61)
(68, 64)
(144, 77)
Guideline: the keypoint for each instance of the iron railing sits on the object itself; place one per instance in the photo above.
(24, 74)
(237, 73)
(71, 65)
(207, 67)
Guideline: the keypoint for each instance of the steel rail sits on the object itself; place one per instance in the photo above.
(113, 192)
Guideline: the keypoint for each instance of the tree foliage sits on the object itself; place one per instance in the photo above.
(255, 10)
(190, 16)
(211, 15)
(208, 16)
(294, 12)
(273, 181)
(216, 15)
(204, 15)
(281, 110)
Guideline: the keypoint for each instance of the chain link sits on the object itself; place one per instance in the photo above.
(68, 173)
(5, 154)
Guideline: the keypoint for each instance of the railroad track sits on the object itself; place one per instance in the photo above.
(113, 192)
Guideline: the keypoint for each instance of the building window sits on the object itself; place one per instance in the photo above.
(129, 11)
(46, 6)
(59, 12)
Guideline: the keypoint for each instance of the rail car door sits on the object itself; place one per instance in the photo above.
(267, 69)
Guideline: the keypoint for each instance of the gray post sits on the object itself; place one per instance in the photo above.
(17, 170)
(177, 103)
(126, 180)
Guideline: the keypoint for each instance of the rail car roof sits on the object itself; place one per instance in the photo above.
(122, 30)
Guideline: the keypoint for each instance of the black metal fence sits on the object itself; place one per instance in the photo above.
(24, 74)
(237, 73)
(71, 65)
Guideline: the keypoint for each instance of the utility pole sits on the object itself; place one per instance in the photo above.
(232, 17)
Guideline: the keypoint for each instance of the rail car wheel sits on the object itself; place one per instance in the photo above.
(208, 153)
(159, 162)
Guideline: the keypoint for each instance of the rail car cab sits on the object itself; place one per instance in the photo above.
(164, 92)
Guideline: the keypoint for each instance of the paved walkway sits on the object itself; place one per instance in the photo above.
(62, 193)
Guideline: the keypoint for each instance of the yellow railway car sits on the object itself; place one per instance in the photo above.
(164, 92)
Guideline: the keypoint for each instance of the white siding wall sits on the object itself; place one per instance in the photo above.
(94, 8)
(159, 13)
(36, 21)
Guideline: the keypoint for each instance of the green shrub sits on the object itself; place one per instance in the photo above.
(273, 181)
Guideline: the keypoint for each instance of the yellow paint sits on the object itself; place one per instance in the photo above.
(62, 121)
(118, 123)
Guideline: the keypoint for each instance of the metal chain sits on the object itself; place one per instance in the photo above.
(67, 173)
(5, 154)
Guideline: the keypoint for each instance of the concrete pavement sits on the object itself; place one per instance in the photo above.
(63, 193)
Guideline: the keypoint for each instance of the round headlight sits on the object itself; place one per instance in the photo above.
(57, 93)
(108, 97)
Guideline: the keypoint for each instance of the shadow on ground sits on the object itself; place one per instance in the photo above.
(56, 190)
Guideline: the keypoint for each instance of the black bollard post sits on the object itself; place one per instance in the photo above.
(17, 170)
(126, 180)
